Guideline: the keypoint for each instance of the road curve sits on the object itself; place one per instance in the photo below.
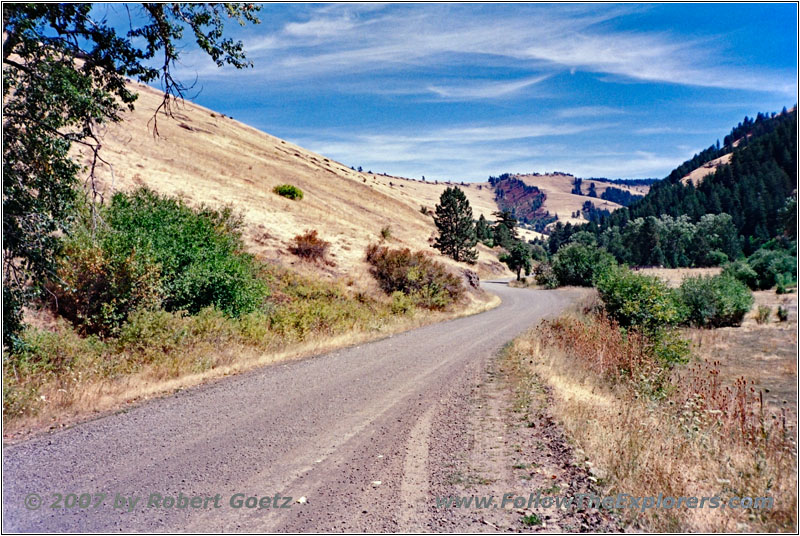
(327, 428)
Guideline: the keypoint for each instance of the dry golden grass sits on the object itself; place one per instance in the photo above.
(187, 352)
(561, 201)
(766, 353)
(209, 158)
(674, 276)
(679, 447)
(696, 176)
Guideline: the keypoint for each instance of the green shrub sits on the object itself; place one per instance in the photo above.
(402, 304)
(670, 348)
(763, 314)
(96, 291)
(155, 251)
(716, 258)
(310, 247)
(200, 252)
(769, 264)
(580, 264)
(545, 276)
(743, 272)
(715, 301)
(415, 274)
(386, 232)
(783, 313)
(638, 301)
(289, 191)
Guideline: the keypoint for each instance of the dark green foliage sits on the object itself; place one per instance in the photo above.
(783, 314)
(518, 258)
(638, 301)
(51, 101)
(715, 301)
(752, 189)
(749, 194)
(414, 274)
(154, 252)
(483, 231)
(579, 264)
(504, 232)
(456, 227)
(742, 271)
(619, 196)
(770, 265)
(289, 191)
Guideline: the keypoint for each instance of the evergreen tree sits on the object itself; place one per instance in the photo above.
(482, 229)
(456, 227)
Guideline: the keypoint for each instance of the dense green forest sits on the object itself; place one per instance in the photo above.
(731, 213)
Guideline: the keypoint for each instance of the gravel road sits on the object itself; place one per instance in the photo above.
(352, 437)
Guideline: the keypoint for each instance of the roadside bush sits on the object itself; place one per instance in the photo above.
(97, 292)
(199, 252)
(638, 301)
(415, 274)
(289, 191)
(310, 247)
(581, 264)
(715, 301)
(545, 276)
(763, 314)
(783, 314)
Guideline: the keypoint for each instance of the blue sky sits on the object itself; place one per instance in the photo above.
(464, 91)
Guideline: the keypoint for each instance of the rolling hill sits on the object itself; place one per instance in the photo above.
(209, 158)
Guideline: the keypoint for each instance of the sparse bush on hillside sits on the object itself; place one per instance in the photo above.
(763, 314)
(580, 264)
(415, 274)
(715, 301)
(386, 232)
(287, 190)
(310, 247)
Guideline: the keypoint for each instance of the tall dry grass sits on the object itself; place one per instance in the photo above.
(694, 437)
(61, 376)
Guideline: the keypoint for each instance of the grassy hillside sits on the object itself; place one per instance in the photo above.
(557, 197)
(205, 157)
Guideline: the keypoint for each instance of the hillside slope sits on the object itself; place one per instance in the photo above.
(208, 158)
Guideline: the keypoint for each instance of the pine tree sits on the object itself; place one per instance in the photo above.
(456, 227)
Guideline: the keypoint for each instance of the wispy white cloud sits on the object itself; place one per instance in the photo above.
(589, 111)
(485, 89)
(340, 41)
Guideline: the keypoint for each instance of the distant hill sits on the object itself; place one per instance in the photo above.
(540, 200)
(749, 178)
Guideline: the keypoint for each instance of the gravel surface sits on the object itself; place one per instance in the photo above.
(355, 437)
